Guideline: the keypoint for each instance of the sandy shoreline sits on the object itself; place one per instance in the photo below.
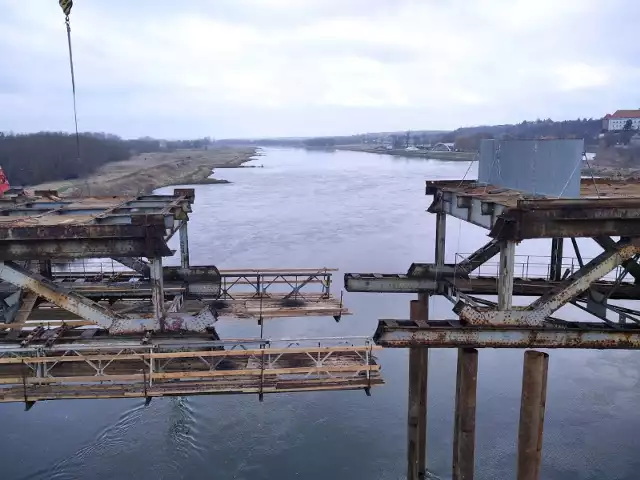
(144, 173)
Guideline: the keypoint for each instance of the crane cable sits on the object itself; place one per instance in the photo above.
(66, 9)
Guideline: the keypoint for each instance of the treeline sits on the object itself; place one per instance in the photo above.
(469, 138)
(320, 142)
(30, 159)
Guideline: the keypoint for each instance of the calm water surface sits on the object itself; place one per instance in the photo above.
(358, 212)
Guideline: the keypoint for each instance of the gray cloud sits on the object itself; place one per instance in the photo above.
(295, 67)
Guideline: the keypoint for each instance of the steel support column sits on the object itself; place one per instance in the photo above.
(534, 397)
(184, 245)
(157, 290)
(441, 235)
(555, 272)
(505, 278)
(417, 418)
(44, 268)
(464, 430)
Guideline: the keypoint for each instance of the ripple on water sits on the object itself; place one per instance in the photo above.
(110, 440)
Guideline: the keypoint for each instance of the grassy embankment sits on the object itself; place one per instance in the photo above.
(144, 173)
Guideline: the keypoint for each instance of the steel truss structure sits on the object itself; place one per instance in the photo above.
(605, 209)
(80, 276)
(106, 269)
(119, 368)
(511, 217)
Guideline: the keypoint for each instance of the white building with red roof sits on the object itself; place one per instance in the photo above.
(617, 120)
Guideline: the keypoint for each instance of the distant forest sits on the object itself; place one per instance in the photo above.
(30, 159)
(465, 138)
(468, 138)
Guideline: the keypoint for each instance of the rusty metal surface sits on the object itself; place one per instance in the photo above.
(91, 227)
(387, 283)
(511, 215)
(116, 369)
(74, 248)
(609, 192)
(554, 298)
(453, 334)
(484, 285)
(102, 316)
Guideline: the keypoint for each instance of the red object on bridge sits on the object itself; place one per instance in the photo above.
(4, 183)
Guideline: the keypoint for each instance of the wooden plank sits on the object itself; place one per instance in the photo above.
(51, 323)
(48, 380)
(189, 374)
(267, 371)
(19, 397)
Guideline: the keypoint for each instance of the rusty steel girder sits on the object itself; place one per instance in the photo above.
(453, 334)
(556, 297)
(58, 295)
(104, 317)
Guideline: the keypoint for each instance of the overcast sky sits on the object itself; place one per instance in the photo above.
(246, 68)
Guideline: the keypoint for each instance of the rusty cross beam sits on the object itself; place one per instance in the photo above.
(454, 334)
(479, 257)
(557, 296)
(608, 243)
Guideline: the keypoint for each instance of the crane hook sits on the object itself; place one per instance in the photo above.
(66, 6)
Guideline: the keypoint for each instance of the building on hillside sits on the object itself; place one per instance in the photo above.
(617, 120)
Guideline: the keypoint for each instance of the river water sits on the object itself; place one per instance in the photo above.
(361, 213)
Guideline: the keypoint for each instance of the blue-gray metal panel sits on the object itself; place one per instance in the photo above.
(539, 167)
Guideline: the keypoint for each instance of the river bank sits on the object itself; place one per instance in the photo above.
(399, 152)
(144, 173)
(605, 171)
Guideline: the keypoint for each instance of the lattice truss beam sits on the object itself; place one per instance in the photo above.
(581, 285)
(100, 292)
(128, 369)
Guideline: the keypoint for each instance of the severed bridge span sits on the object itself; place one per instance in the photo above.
(88, 309)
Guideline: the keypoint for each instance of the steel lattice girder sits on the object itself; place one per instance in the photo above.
(453, 334)
(555, 297)
(101, 315)
(71, 301)
(111, 368)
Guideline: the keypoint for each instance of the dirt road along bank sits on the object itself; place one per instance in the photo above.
(144, 173)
